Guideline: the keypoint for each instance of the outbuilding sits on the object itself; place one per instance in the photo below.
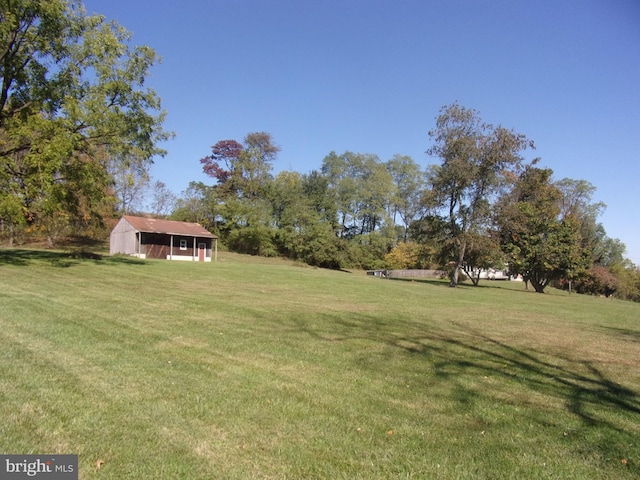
(167, 239)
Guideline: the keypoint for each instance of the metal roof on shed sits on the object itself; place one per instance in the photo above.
(170, 227)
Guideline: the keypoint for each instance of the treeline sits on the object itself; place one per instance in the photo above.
(482, 206)
(79, 129)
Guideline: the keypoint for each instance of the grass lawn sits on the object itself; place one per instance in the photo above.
(257, 369)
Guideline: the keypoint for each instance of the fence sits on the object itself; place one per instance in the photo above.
(408, 273)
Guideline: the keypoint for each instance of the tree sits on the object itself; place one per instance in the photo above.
(538, 243)
(222, 163)
(482, 253)
(477, 161)
(628, 276)
(303, 231)
(609, 251)
(163, 200)
(242, 173)
(318, 192)
(598, 281)
(405, 198)
(594, 272)
(576, 202)
(199, 204)
(71, 97)
(256, 162)
(408, 255)
(130, 182)
(242, 170)
(342, 184)
(292, 213)
(362, 186)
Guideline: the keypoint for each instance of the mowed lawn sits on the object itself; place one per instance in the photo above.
(257, 369)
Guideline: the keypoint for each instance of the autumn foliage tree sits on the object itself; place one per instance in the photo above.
(408, 255)
(223, 160)
(598, 280)
(243, 175)
(242, 169)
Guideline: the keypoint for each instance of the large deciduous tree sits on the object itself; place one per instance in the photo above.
(603, 257)
(362, 186)
(130, 182)
(243, 176)
(199, 204)
(477, 159)
(405, 198)
(540, 244)
(72, 96)
(242, 170)
(163, 200)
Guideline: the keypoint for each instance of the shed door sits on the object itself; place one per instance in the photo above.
(202, 251)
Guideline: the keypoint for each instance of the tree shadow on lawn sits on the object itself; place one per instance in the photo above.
(625, 334)
(578, 381)
(463, 285)
(461, 355)
(24, 258)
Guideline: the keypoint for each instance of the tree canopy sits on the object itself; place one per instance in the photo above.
(482, 207)
(477, 160)
(542, 242)
(72, 100)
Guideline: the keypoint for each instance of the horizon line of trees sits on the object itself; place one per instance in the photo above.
(79, 130)
(483, 206)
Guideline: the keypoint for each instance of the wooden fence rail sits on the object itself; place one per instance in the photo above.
(408, 273)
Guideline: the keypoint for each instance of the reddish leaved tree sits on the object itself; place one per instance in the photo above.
(219, 164)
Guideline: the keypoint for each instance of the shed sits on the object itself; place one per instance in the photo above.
(167, 239)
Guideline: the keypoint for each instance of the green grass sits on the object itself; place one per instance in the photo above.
(259, 369)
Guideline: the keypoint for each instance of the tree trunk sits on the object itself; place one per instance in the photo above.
(10, 234)
(539, 284)
(454, 276)
(459, 265)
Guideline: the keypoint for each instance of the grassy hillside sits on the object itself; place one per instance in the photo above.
(267, 370)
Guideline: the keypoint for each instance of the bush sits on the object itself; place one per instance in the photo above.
(598, 280)
(256, 240)
(408, 255)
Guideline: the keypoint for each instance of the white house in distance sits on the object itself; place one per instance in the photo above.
(166, 239)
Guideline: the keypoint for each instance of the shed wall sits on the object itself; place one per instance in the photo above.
(158, 245)
(122, 238)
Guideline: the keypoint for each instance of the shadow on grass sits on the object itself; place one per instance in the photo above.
(24, 258)
(468, 364)
(577, 381)
(624, 333)
(439, 282)
(504, 285)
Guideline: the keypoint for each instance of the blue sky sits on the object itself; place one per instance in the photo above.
(371, 76)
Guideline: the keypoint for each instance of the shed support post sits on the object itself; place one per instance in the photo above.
(171, 249)
(193, 254)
